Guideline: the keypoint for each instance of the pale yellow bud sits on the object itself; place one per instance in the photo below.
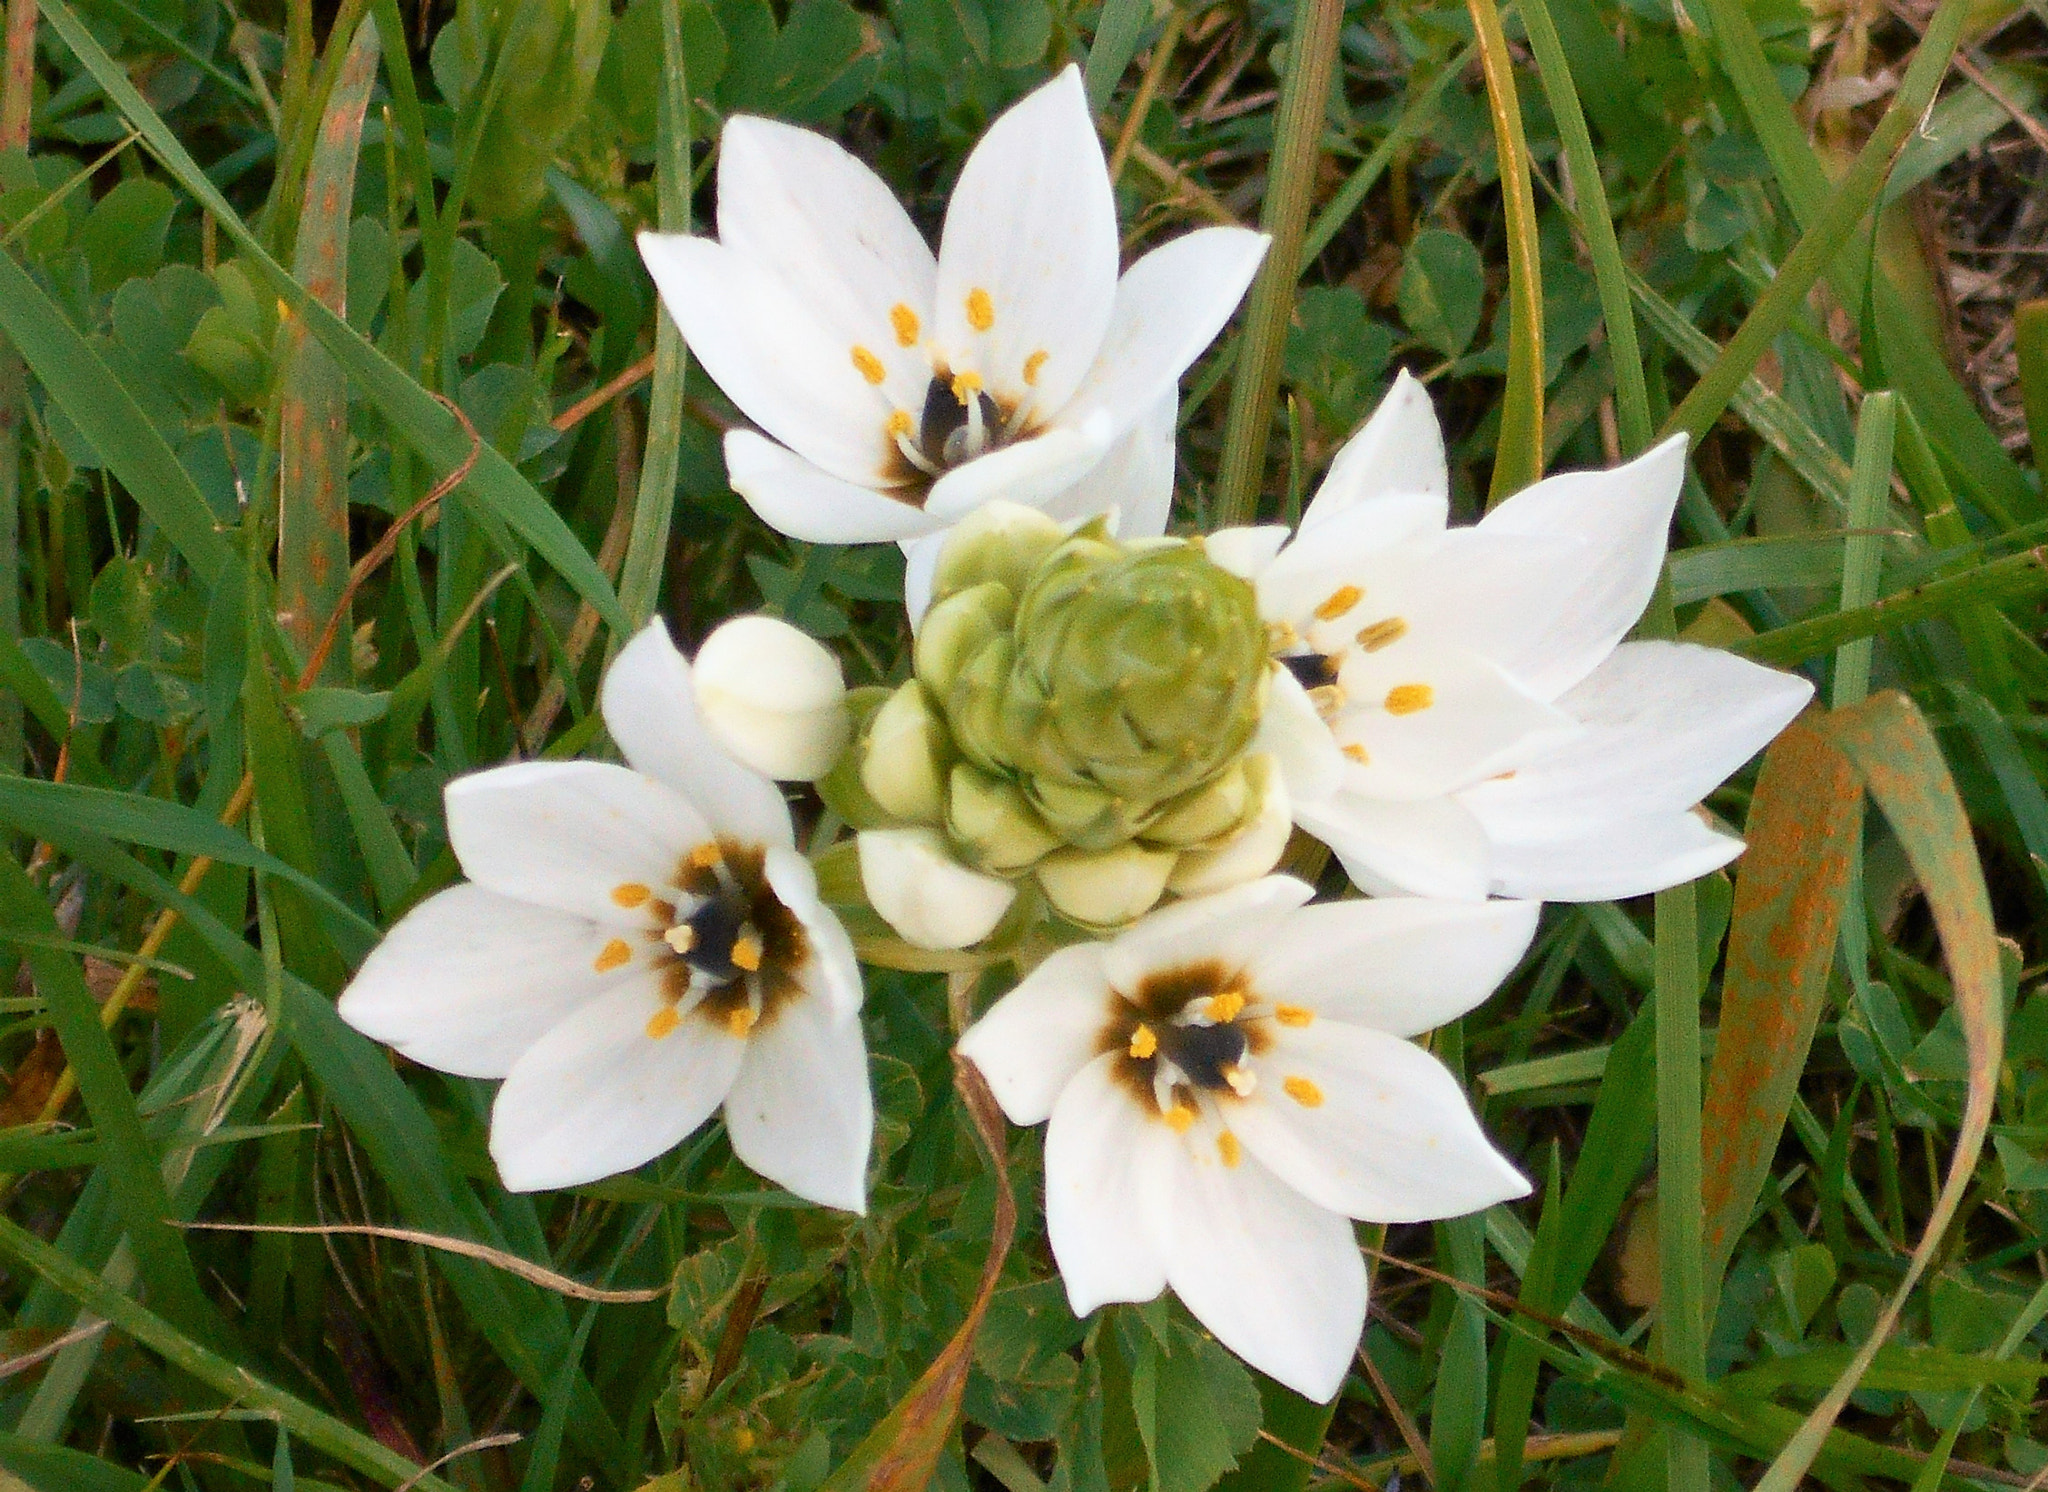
(1105, 888)
(903, 760)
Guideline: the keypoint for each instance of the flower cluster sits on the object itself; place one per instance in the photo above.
(1106, 742)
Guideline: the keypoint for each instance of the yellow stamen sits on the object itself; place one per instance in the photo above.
(1303, 1092)
(1180, 1118)
(1144, 1044)
(613, 955)
(662, 1022)
(742, 1020)
(981, 311)
(966, 386)
(746, 954)
(1327, 698)
(1293, 1015)
(631, 894)
(1357, 753)
(900, 423)
(1383, 633)
(1229, 1149)
(1243, 1081)
(1224, 1007)
(1338, 602)
(904, 322)
(1406, 699)
(1033, 364)
(681, 937)
(870, 366)
(706, 855)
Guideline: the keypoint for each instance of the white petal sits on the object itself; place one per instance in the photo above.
(1135, 477)
(1399, 452)
(1625, 516)
(1103, 1158)
(1665, 724)
(1399, 964)
(1032, 225)
(1278, 1279)
(1611, 859)
(931, 899)
(1430, 847)
(1031, 472)
(774, 358)
(799, 1111)
(833, 973)
(773, 698)
(469, 979)
(565, 834)
(1246, 855)
(650, 708)
(1034, 1040)
(1228, 925)
(1295, 735)
(798, 205)
(1169, 306)
(796, 498)
(1245, 552)
(1380, 1129)
(1422, 720)
(920, 565)
(598, 1094)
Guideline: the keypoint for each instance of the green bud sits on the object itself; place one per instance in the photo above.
(1212, 811)
(989, 816)
(903, 757)
(1083, 816)
(1105, 888)
(958, 629)
(998, 541)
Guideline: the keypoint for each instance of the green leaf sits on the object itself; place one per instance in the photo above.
(123, 236)
(1443, 288)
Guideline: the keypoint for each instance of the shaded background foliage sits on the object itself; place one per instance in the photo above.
(199, 434)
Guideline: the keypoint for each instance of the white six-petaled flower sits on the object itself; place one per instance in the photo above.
(636, 946)
(1457, 714)
(1229, 1081)
(902, 390)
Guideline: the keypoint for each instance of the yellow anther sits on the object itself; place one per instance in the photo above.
(662, 1022)
(1180, 1118)
(1242, 1080)
(742, 1020)
(1327, 698)
(746, 954)
(1281, 635)
(1033, 364)
(1338, 602)
(1293, 1015)
(900, 423)
(631, 894)
(966, 386)
(1406, 699)
(682, 937)
(981, 311)
(706, 855)
(1224, 1007)
(613, 955)
(1144, 1044)
(1358, 754)
(1229, 1149)
(1303, 1092)
(903, 321)
(1383, 633)
(870, 366)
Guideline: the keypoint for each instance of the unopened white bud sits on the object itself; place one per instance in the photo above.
(903, 764)
(774, 698)
(931, 899)
(1253, 850)
(1105, 888)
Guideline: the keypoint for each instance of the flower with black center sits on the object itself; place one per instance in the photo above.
(901, 390)
(1230, 1081)
(637, 946)
(1456, 712)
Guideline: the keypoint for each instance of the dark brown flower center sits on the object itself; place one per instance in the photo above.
(733, 952)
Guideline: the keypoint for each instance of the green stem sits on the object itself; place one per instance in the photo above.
(1297, 146)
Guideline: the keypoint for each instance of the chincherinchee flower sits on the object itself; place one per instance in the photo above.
(1229, 1082)
(635, 946)
(900, 391)
(1457, 713)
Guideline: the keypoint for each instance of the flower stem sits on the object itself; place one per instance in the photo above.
(1297, 145)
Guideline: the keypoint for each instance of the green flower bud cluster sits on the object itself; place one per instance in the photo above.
(1081, 711)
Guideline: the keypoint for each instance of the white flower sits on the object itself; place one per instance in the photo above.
(773, 697)
(634, 947)
(898, 390)
(1229, 1081)
(1458, 714)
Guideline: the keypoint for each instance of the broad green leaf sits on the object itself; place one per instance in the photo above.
(1443, 288)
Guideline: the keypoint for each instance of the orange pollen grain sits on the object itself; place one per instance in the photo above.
(613, 955)
(1406, 699)
(1224, 1007)
(1180, 1118)
(742, 1020)
(1293, 1015)
(1358, 754)
(900, 423)
(706, 855)
(1143, 1043)
(966, 386)
(1303, 1092)
(1338, 602)
(870, 366)
(746, 954)
(1033, 364)
(662, 1022)
(903, 321)
(1228, 1147)
(1383, 633)
(981, 311)
(632, 894)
